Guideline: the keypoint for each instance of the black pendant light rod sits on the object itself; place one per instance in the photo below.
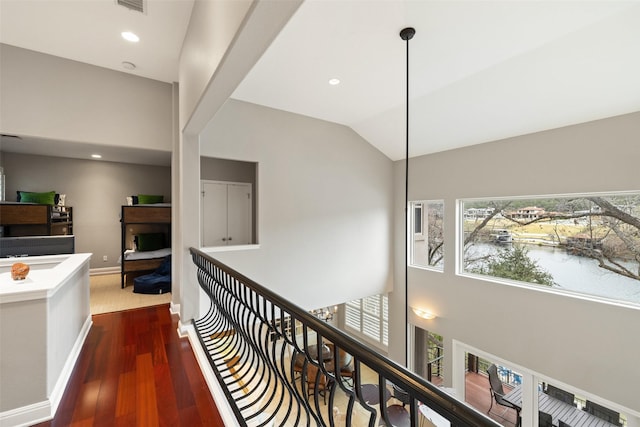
(406, 34)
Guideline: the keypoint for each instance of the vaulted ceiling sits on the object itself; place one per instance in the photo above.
(478, 70)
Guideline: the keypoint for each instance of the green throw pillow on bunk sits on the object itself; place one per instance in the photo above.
(149, 199)
(47, 198)
(150, 241)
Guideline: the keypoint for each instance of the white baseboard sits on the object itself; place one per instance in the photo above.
(183, 329)
(104, 270)
(26, 415)
(43, 411)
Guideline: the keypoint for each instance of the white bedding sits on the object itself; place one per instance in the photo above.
(130, 254)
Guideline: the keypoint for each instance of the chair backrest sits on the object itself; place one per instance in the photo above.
(344, 358)
(494, 380)
(559, 394)
(544, 419)
(312, 373)
(602, 412)
(401, 395)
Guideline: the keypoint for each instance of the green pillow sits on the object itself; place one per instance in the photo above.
(147, 199)
(40, 198)
(150, 241)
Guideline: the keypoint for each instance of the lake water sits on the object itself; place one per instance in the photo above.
(580, 274)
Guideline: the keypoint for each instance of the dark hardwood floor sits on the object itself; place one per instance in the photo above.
(134, 370)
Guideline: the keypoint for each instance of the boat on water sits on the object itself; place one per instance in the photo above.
(502, 237)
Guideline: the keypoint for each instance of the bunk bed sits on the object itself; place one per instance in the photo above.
(146, 239)
(33, 219)
(32, 229)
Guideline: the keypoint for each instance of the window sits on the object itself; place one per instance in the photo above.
(417, 219)
(426, 235)
(369, 317)
(587, 244)
(553, 397)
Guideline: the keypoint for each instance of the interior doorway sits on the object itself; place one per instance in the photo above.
(428, 355)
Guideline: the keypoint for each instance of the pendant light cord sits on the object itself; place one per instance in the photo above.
(406, 34)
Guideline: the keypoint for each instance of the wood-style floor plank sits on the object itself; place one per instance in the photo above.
(134, 370)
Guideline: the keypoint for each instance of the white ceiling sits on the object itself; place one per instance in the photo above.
(89, 31)
(479, 70)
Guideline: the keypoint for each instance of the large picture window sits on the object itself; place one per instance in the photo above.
(426, 234)
(587, 244)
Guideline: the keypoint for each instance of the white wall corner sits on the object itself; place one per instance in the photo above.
(174, 308)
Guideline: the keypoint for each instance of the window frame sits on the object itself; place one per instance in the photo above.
(424, 235)
(460, 249)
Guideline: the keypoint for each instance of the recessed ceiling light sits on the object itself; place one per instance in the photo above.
(334, 81)
(96, 156)
(129, 36)
(128, 65)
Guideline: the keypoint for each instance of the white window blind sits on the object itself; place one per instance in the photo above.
(385, 320)
(369, 317)
(352, 314)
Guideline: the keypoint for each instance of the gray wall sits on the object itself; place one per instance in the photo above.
(55, 98)
(227, 170)
(95, 189)
(586, 344)
(325, 204)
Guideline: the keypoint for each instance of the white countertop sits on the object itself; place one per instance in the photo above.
(47, 274)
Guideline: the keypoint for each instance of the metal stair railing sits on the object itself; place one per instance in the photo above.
(267, 356)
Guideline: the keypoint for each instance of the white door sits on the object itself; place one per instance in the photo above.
(239, 214)
(225, 213)
(214, 213)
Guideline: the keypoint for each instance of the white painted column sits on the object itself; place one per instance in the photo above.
(189, 211)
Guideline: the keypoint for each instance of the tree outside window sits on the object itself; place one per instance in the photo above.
(588, 244)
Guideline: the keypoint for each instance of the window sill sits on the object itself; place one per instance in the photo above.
(213, 249)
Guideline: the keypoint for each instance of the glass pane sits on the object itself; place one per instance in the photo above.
(588, 244)
(427, 247)
(417, 218)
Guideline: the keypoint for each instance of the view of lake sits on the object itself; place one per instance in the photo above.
(579, 274)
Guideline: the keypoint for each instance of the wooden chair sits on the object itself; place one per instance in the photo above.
(563, 424)
(344, 363)
(321, 390)
(602, 412)
(298, 365)
(497, 393)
